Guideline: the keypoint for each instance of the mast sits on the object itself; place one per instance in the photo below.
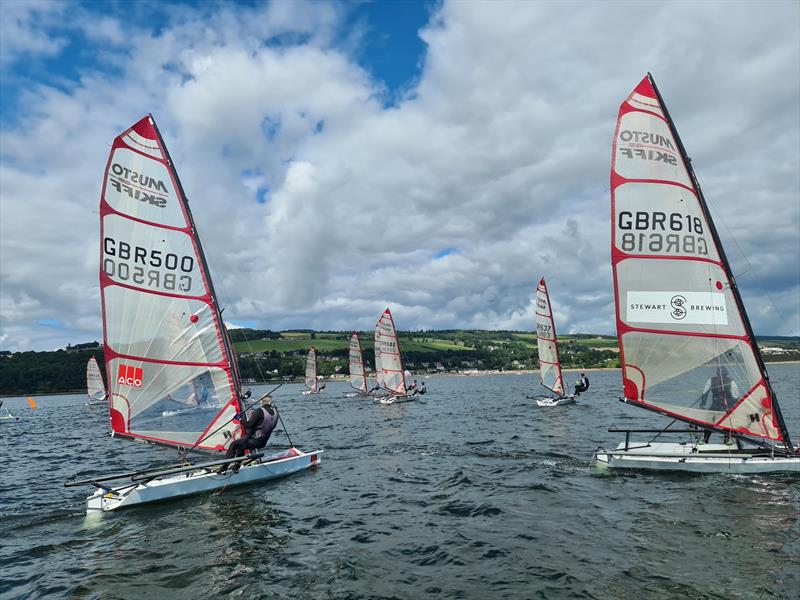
(226, 342)
(726, 265)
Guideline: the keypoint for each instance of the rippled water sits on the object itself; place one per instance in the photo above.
(475, 493)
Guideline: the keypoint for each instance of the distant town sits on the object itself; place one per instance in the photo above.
(265, 355)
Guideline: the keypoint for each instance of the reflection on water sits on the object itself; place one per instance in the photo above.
(473, 492)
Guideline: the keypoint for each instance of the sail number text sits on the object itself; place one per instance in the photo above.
(661, 232)
(147, 267)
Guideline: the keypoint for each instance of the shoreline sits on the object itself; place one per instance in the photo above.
(530, 372)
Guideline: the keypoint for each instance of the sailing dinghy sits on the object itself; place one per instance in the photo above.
(164, 339)
(687, 348)
(358, 377)
(95, 388)
(549, 363)
(311, 382)
(391, 375)
(7, 417)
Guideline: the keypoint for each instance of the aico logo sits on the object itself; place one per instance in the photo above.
(128, 375)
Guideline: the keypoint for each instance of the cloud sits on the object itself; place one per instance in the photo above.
(22, 29)
(318, 205)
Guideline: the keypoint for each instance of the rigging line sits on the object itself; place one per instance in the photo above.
(746, 259)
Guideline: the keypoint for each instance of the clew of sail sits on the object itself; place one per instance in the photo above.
(311, 370)
(686, 346)
(95, 387)
(549, 364)
(165, 344)
(358, 379)
(388, 346)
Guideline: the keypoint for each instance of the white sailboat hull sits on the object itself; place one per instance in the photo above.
(547, 401)
(687, 457)
(397, 399)
(8, 419)
(197, 482)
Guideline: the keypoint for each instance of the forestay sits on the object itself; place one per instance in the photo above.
(95, 387)
(685, 345)
(170, 369)
(358, 379)
(393, 378)
(311, 370)
(549, 364)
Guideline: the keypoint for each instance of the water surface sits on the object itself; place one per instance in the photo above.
(473, 493)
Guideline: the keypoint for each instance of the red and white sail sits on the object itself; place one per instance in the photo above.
(378, 369)
(311, 370)
(358, 379)
(678, 319)
(391, 363)
(164, 338)
(95, 388)
(549, 364)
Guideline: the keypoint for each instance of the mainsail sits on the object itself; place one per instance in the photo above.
(378, 369)
(165, 343)
(358, 379)
(549, 365)
(95, 387)
(311, 370)
(686, 346)
(391, 363)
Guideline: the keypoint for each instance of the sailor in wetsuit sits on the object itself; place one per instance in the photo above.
(582, 384)
(722, 392)
(257, 429)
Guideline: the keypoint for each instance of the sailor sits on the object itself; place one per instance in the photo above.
(582, 384)
(720, 393)
(413, 388)
(421, 390)
(257, 429)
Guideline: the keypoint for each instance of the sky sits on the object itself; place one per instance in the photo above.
(435, 157)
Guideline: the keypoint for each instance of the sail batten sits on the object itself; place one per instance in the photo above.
(686, 345)
(171, 373)
(549, 363)
(387, 352)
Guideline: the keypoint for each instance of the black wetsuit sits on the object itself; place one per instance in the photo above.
(258, 429)
(582, 385)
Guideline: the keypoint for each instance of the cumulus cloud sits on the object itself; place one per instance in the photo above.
(319, 205)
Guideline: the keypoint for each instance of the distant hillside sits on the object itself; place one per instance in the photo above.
(265, 354)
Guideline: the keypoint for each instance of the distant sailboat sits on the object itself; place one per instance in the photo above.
(7, 417)
(686, 345)
(95, 388)
(391, 375)
(311, 382)
(165, 343)
(358, 378)
(549, 363)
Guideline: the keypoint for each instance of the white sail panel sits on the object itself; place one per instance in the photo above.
(169, 373)
(151, 258)
(684, 346)
(677, 228)
(378, 369)
(141, 187)
(311, 370)
(95, 388)
(549, 364)
(166, 328)
(391, 361)
(358, 378)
